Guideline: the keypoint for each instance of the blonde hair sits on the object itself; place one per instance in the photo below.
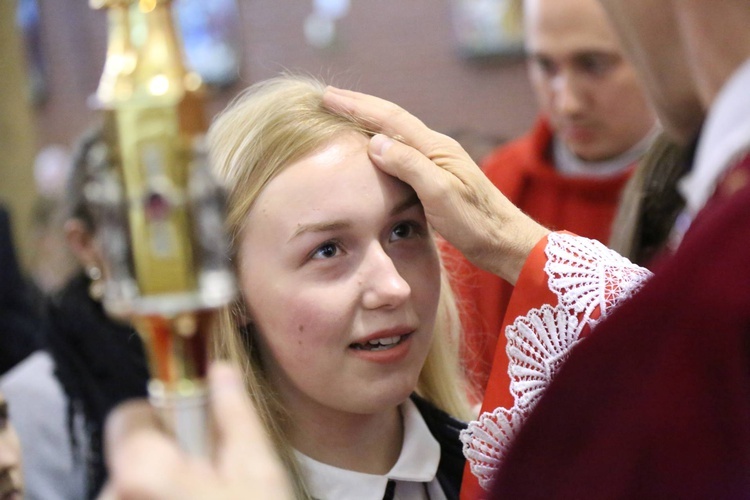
(266, 128)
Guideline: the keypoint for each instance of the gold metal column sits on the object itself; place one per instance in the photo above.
(17, 135)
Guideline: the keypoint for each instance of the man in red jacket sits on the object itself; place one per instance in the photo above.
(568, 171)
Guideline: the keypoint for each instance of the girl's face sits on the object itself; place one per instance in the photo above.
(341, 278)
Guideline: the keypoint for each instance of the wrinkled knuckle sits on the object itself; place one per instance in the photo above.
(404, 157)
(392, 111)
(448, 140)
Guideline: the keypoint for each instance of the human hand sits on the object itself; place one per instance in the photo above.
(145, 463)
(460, 202)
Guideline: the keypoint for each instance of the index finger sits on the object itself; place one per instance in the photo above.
(383, 116)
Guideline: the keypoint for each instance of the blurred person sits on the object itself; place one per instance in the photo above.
(20, 315)
(11, 475)
(99, 360)
(37, 409)
(594, 125)
(651, 202)
(89, 363)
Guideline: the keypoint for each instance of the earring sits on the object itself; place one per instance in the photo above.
(97, 285)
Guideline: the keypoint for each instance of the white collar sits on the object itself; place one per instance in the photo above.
(570, 165)
(725, 136)
(417, 463)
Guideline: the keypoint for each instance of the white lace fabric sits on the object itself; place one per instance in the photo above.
(589, 281)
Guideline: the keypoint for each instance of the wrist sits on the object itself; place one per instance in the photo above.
(512, 247)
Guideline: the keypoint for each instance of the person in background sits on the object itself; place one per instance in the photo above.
(651, 203)
(89, 363)
(595, 124)
(11, 474)
(21, 324)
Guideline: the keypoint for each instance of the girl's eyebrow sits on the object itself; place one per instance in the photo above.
(321, 227)
(337, 225)
(405, 204)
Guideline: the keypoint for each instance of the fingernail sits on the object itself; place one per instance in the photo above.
(380, 144)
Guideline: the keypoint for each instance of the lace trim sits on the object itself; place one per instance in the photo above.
(538, 343)
(585, 276)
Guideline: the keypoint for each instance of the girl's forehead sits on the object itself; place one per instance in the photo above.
(339, 181)
(334, 165)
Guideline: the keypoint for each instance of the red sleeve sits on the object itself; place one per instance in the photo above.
(531, 290)
(657, 403)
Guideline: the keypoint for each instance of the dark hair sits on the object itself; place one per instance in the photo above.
(87, 156)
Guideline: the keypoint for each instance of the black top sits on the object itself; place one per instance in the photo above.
(99, 362)
(446, 430)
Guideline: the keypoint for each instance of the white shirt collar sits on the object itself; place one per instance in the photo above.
(417, 463)
(725, 136)
(570, 165)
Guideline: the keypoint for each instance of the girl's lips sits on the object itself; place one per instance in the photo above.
(389, 333)
(383, 353)
(379, 343)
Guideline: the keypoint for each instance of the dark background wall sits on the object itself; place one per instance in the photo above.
(401, 50)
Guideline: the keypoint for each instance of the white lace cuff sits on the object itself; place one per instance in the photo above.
(589, 281)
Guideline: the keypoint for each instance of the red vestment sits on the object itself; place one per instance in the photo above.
(656, 403)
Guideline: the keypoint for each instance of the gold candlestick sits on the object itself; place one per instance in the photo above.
(161, 211)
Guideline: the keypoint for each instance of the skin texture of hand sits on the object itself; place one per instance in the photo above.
(145, 463)
(459, 201)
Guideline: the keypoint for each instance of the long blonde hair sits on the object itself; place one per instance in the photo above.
(266, 128)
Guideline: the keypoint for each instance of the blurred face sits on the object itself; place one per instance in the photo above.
(11, 479)
(589, 92)
(651, 38)
(341, 278)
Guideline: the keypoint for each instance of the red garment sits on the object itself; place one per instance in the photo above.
(656, 403)
(567, 285)
(524, 172)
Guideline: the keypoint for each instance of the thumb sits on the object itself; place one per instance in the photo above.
(240, 434)
(409, 165)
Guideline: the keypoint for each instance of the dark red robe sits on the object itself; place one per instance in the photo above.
(656, 403)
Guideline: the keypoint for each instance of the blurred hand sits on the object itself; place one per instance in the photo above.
(459, 201)
(145, 463)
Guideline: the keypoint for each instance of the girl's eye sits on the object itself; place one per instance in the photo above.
(326, 251)
(404, 230)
